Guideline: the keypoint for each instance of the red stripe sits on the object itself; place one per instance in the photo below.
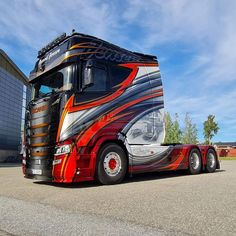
(65, 111)
(123, 85)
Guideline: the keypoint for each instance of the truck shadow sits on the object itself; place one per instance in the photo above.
(4, 165)
(158, 176)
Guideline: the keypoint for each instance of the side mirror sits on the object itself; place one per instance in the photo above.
(88, 75)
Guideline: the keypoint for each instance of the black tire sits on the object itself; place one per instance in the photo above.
(211, 161)
(195, 162)
(111, 164)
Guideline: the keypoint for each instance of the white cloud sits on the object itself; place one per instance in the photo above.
(168, 21)
(35, 21)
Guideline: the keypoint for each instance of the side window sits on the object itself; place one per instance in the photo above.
(100, 79)
(118, 74)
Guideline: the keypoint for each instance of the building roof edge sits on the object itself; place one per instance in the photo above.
(24, 77)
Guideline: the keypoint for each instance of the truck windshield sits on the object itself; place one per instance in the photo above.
(58, 81)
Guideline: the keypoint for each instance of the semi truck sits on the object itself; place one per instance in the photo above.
(97, 113)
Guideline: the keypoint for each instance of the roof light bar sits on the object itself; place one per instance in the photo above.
(51, 44)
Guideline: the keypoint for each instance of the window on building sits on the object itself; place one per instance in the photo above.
(24, 97)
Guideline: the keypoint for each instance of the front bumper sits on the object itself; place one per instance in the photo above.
(39, 169)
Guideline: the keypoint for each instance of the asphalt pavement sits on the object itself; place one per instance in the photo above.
(171, 203)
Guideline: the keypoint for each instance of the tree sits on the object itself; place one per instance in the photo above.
(176, 132)
(168, 128)
(172, 129)
(189, 135)
(210, 128)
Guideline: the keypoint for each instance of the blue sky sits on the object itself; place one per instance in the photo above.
(194, 41)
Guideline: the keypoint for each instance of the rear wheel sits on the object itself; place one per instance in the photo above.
(111, 165)
(211, 161)
(195, 162)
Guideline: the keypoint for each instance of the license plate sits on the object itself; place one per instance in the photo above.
(36, 172)
(55, 162)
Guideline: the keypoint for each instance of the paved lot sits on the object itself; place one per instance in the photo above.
(151, 204)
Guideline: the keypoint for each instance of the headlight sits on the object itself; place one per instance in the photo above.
(64, 149)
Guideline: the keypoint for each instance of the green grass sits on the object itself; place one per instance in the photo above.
(227, 158)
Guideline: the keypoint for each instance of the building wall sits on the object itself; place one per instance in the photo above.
(14, 95)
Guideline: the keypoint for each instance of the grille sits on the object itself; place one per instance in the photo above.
(42, 120)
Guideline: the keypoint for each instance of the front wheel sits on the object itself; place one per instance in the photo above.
(211, 161)
(111, 164)
(195, 162)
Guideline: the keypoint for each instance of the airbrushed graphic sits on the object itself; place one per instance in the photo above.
(146, 128)
(141, 159)
(141, 87)
(137, 89)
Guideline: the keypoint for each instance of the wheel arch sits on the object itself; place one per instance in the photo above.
(105, 140)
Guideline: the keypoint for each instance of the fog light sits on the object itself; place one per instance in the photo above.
(55, 162)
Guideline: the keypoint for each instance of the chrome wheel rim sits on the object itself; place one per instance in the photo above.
(211, 160)
(112, 164)
(195, 161)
